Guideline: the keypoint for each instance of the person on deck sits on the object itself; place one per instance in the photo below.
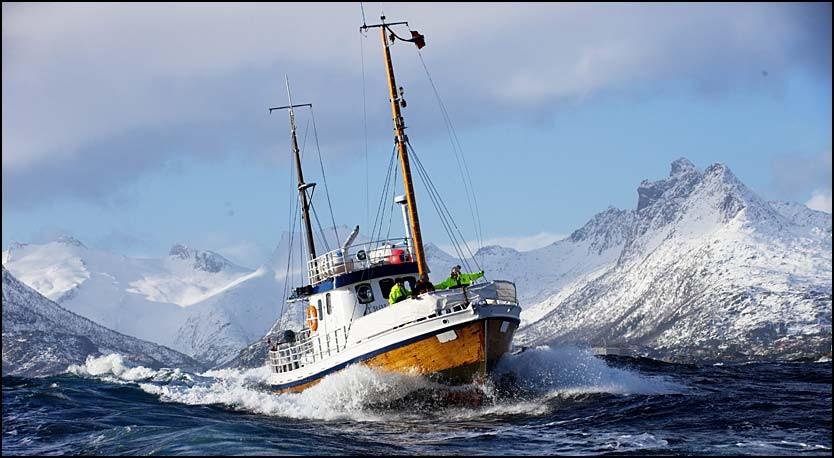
(423, 285)
(457, 279)
(398, 292)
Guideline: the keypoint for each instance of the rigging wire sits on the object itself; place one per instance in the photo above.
(433, 191)
(460, 157)
(362, 37)
(324, 178)
(321, 231)
(380, 213)
(287, 274)
(443, 219)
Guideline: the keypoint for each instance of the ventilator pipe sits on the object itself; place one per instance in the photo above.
(404, 205)
(350, 239)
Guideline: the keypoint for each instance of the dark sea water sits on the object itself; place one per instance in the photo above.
(563, 401)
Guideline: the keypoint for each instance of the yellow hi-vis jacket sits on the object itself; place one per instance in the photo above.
(463, 280)
(397, 294)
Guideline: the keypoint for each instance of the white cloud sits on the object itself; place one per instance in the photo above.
(820, 200)
(122, 87)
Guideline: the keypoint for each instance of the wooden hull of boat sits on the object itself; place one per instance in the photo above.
(473, 353)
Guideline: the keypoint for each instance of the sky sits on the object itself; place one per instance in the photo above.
(137, 126)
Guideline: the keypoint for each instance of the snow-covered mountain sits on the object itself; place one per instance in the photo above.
(703, 268)
(42, 338)
(540, 273)
(196, 302)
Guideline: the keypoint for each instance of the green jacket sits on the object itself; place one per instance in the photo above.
(464, 280)
(397, 294)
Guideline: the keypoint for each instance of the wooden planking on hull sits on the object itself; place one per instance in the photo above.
(472, 349)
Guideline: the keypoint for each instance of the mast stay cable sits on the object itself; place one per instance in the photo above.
(460, 157)
(443, 211)
(324, 178)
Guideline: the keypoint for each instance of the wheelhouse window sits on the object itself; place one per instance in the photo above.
(319, 307)
(411, 282)
(365, 293)
(327, 300)
(385, 285)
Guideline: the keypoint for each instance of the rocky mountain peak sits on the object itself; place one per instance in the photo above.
(207, 261)
(683, 178)
(682, 166)
(180, 251)
(605, 230)
(495, 250)
(70, 241)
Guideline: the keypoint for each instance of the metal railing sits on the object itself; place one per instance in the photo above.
(307, 349)
(358, 257)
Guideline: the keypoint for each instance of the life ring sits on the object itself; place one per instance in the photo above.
(312, 318)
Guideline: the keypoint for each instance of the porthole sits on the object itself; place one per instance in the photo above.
(365, 293)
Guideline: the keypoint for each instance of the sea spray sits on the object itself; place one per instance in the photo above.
(360, 393)
(570, 370)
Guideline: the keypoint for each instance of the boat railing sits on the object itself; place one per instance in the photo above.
(358, 257)
(307, 349)
(493, 292)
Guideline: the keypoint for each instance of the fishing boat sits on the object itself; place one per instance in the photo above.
(453, 335)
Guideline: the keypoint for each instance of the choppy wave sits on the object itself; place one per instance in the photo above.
(544, 401)
(363, 394)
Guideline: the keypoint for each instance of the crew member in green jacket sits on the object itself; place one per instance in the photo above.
(457, 279)
(398, 292)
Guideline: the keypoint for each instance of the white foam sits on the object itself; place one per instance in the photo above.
(363, 394)
(112, 367)
(345, 394)
(569, 371)
(625, 442)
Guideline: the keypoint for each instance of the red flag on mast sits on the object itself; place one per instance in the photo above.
(418, 39)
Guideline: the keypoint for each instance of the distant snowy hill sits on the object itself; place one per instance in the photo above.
(196, 302)
(42, 338)
(702, 269)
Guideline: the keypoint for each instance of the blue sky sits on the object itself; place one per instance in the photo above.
(137, 127)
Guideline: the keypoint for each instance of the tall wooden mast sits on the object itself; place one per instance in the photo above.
(401, 139)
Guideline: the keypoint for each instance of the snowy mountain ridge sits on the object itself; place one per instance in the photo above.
(174, 301)
(42, 338)
(708, 270)
(702, 262)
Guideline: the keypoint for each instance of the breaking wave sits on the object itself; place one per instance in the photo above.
(568, 371)
(533, 379)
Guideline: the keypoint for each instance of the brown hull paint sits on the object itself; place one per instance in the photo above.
(472, 354)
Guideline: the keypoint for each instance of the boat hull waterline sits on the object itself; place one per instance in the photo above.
(457, 354)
